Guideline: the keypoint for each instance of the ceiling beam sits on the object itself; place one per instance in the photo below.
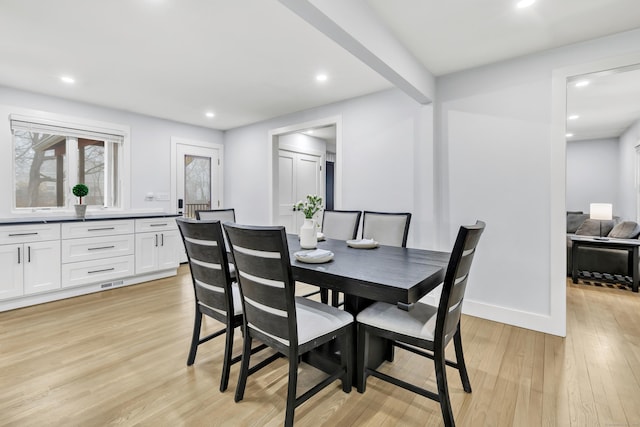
(354, 26)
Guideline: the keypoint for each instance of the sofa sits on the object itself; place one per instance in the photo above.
(600, 260)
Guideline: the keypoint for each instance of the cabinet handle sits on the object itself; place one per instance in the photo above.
(28, 253)
(158, 225)
(155, 240)
(102, 247)
(100, 271)
(18, 255)
(101, 229)
(23, 234)
(162, 239)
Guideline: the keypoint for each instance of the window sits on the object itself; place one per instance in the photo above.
(51, 156)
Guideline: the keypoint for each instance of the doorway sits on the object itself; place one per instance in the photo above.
(278, 142)
(556, 321)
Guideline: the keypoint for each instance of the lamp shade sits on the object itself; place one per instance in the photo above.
(601, 211)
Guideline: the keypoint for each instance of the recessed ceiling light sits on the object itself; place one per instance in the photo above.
(209, 114)
(582, 83)
(573, 117)
(524, 3)
(569, 135)
(321, 77)
(309, 132)
(68, 80)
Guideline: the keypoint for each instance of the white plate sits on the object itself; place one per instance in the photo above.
(363, 243)
(307, 256)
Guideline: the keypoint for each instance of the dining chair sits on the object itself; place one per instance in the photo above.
(341, 225)
(274, 315)
(424, 329)
(387, 228)
(216, 295)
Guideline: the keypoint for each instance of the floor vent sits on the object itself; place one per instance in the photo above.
(112, 284)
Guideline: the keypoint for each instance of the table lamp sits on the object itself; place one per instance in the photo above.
(601, 212)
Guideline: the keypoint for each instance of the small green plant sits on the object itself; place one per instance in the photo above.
(80, 190)
(309, 207)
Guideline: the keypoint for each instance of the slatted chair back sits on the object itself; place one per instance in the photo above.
(387, 228)
(204, 244)
(266, 283)
(455, 283)
(341, 225)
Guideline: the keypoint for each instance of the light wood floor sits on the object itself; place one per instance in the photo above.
(119, 358)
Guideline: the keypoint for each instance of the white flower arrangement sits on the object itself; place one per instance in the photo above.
(309, 207)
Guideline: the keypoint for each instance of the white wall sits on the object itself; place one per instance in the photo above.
(494, 136)
(629, 140)
(150, 143)
(593, 174)
(387, 157)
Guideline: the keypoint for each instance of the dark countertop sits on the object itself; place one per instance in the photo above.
(94, 217)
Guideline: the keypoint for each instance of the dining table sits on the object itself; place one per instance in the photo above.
(389, 274)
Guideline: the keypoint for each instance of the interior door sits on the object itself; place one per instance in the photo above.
(197, 179)
(299, 174)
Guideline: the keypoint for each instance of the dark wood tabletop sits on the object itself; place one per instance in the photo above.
(386, 273)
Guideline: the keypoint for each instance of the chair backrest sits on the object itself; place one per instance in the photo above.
(263, 268)
(223, 215)
(341, 225)
(387, 228)
(209, 265)
(455, 282)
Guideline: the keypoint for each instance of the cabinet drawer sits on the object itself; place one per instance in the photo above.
(96, 271)
(155, 224)
(29, 233)
(90, 248)
(73, 230)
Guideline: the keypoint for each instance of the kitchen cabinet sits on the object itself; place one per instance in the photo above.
(29, 260)
(157, 245)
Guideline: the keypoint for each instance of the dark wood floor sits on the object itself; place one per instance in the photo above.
(119, 358)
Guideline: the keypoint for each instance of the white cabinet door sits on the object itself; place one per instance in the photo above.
(41, 266)
(157, 251)
(146, 252)
(11, 257)
(168, 254)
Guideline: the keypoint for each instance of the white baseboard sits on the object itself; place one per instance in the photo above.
(522, 319)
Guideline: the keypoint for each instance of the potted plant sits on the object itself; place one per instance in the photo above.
(309, 207)
(80, 190)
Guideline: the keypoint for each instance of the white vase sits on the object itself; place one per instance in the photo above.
(308, 234)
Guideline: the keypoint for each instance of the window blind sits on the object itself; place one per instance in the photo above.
(66, 129)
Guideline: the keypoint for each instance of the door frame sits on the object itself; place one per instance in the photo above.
(273, 146)
(177, 141)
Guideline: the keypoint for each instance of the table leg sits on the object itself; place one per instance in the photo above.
(574, 258)
(635, 275)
